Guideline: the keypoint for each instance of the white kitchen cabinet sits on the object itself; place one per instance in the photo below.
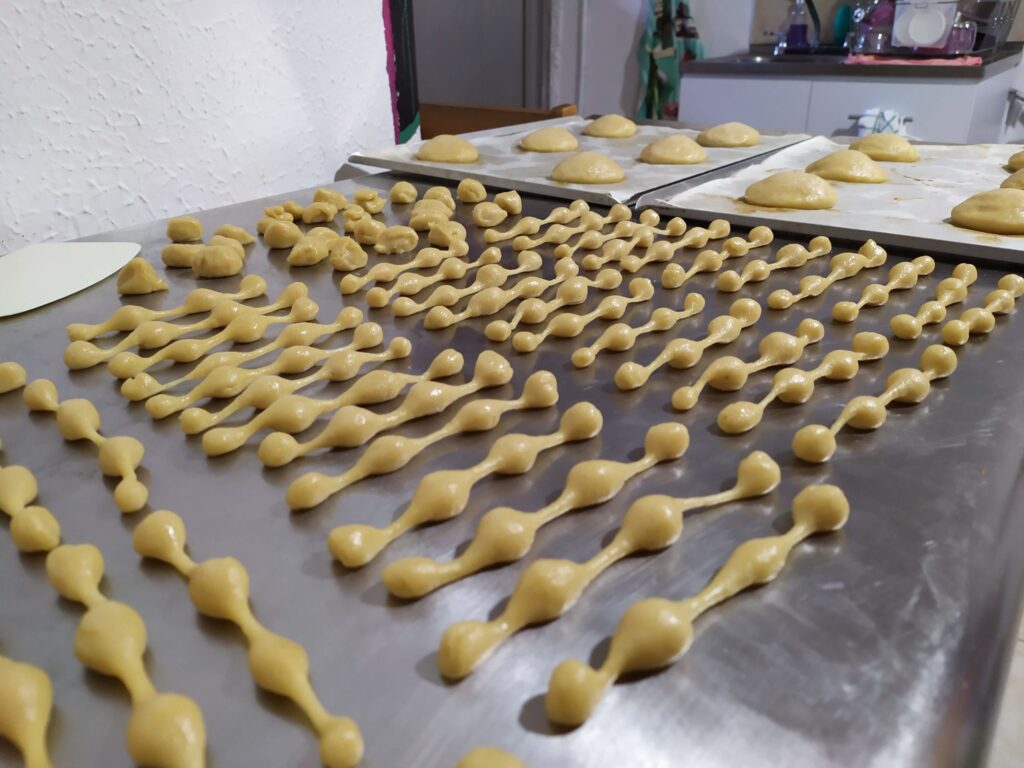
(768, 103)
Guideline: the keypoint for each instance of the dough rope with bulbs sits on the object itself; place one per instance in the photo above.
(730, 374)
(676, 149)
(78, 419)
(902, 276)
(548, 589)
(386, 272)
(389, 453)
(138, 278)
(685, 353)
(622, 336)
(199, 300)
(489, 757)
(33, 527)
(245, 328)
(493, 299)
(219, 589)
(610, 126)
(338, 364)
(156, 333)
(842, 266)
(444, 494)
(816, 443)
(643, 236)
(654, 632)
(849, 165)
(977, 321)
(552, 139)
(952, 290)
(728, 135)
(410, 283)
(577, 209)
(997, 211)
(26, 701)
(353, 426)
(573, 292)
(887, 147)
(588, 168)
(795, 386)
(488, 276)
(557, 234)
(649, 221)
(593, 239)
(145, 385)
(505, 535)
(789, 256)
(791, 189)
(674, 275)
(445, 148)
(569, 325)
(12, 376)
(165, 729)
(292, 413)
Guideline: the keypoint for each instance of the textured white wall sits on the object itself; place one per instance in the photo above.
(116, 112)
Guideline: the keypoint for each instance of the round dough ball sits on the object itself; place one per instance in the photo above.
(677, 149)
(445, 148)
(1016, 161)
(611, 127)
(729, 135)
(848, 165)
(791, 189)
(588, 168)
(1014, 181)
(886, 147)
(999, 211)
(549, 140)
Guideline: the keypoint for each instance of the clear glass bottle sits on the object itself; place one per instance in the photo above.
(799, 31)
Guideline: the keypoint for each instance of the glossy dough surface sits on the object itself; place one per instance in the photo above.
(549, 140)
(611, 127)
(446, 148)
(848, 165)
(678, 149)
(588, 168)
(999, 211)
(791, 189)
(729, 135)
(886, 146)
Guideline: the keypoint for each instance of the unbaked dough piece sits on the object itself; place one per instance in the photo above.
(180, 255)
(729, 135)
(396, 239)
(282, 234)
(319, 213)
(348, 255)
(791, 189)
(471, 191)
(443, 194)
(235, 233)
(1016, 161)
(402, 193)
(611, 127)
(888, 147)
(228, 242)
(1014, 181)
(999, 211)
(335, 198)
(446, 148)
(848, 165)
(550, 140)
(370, 200)
(12, 376)
(677, 149)
(367, 231)
(184, 229)
(510, 202)
(217, 261)
(444, 233)
(488, 214)
(138, 277)
(588, 168)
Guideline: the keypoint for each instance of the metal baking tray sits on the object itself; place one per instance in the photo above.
(504, 165)
(885, 644)
(911, 209)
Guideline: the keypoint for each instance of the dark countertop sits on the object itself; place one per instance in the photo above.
(804, 66)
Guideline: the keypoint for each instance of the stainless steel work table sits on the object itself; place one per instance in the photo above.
(886, 644)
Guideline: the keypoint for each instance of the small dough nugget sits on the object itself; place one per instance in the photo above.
(180, 255)
(184, 229)
(335, 198)
(396, 239)
(1016, 161)
(235, 233)
(446, 148)
(471, 191)
(791, 189)
(677, 149)
(319, 213)
(282, 234)
(999, 211)
(887, 147)
(1014, 181)
(488, 214)
(588, 168)
(228, 242)
(848, 165)
(510, 202)
(443, 194)
(370, 200)
(550, 140)
(347, 255)
(729, 135)
(138, 277)
(217, 261)
(403, 193)
(611, 127)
